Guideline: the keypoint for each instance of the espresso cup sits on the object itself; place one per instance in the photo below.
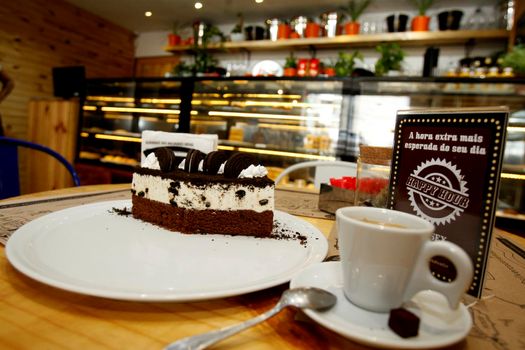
(385, 258)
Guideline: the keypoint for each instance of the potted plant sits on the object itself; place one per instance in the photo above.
(345, 63)
(182, 69)
(237, 33)
(354, 10)
(515, 59)
(174, 37)
(290, 66)
(204, 62)
(421, 21)
(390, 60)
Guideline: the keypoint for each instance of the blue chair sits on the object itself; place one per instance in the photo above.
(9, 176)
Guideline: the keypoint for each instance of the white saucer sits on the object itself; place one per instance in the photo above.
(439, 325)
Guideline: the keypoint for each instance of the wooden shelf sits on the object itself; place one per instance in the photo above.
(363, 40)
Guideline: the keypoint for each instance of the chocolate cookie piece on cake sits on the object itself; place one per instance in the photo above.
(237, 163)
(193, 159)
(213, 161)
(166, 158)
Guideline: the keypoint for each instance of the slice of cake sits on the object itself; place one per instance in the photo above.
(214, 193)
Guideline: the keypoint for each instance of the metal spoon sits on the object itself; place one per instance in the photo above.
(309, 298)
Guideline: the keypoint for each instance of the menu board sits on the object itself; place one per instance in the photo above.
(445, 169)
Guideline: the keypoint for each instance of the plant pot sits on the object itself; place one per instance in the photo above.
(236, 37)
(290, 72)
(283, 31)
(352, 28)
(397, 23)
(312, 30)
(449, 20)
(173, 40)
(329, 72)
(295, 35)
(420, 23)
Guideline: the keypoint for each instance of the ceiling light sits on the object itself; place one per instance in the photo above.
(259, 1)
(148, 14)
(198, 5)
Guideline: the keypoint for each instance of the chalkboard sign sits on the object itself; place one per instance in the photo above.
(445, 169)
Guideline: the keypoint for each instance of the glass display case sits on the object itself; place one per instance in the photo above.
(283, 121)
(374, 103)
(116, 112)
(280, 121)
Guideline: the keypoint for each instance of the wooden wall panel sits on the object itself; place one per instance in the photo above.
(155, 66)
(52, 123)
(37, 35)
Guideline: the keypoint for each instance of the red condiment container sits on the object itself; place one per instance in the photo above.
(302, 67)
(313, 68)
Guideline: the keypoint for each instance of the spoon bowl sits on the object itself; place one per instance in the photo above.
(302, 298)
(308, 298)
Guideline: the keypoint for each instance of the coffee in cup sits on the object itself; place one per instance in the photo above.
(385, 257)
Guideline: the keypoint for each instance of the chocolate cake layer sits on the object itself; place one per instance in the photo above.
(237, 222)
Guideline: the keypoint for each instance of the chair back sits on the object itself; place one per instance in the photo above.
(324, 170)
(9, 174)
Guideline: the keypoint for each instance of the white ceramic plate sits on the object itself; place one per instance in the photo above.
(267, 68)
(439, 325)
(91, 250)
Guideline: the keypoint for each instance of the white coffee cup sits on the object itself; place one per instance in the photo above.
(385, 257)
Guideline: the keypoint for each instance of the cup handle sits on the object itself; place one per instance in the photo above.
(422, 277)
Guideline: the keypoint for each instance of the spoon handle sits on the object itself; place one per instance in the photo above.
(202, 341)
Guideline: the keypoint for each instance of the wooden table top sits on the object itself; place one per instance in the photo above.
(36, 316)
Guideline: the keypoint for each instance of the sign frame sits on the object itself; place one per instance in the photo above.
(446, 166)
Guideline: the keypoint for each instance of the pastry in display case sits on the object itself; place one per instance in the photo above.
(282, 122)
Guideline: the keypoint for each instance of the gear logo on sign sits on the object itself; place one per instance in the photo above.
(437, 191)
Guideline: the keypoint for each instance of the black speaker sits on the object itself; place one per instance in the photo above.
(69, 81)
(430, 62)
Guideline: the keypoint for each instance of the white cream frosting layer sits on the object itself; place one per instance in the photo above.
(213, 197)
